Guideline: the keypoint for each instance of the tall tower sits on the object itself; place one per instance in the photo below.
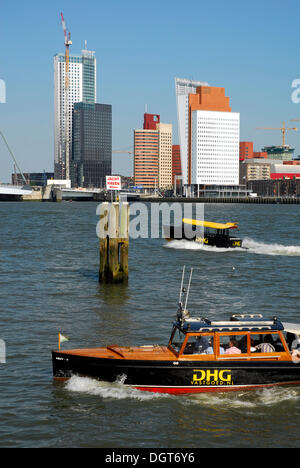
(213, 151)
(82, 88)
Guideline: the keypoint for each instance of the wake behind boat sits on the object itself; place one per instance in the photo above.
(242, 353)
(204, 232)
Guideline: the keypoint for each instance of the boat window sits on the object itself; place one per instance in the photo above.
(177, 340)
(266, 343)
(230, 344)
(202, 344)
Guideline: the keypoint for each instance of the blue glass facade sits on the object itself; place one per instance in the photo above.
(92, 144)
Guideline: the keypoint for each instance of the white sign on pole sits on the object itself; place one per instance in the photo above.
(113, 183)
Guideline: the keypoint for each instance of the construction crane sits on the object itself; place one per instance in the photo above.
(283, 130)
(68, 42)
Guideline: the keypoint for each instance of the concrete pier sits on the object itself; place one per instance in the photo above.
(114, 242)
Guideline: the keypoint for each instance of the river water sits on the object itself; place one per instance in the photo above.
(49, 283)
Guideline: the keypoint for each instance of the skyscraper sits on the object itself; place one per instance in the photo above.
(153, 153)
(184, 87)
(213, 151)
(82, 88)
(92, 144)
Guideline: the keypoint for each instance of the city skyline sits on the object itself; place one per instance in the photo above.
(231, 46)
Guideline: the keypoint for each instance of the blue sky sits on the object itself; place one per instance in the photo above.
(250, 48)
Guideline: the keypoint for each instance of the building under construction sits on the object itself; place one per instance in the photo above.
(280, 153)
(74, 81)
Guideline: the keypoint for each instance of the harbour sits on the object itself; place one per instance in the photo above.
(49, 276)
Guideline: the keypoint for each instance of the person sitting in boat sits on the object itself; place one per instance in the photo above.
(266, 346)
(201, 345)
(295, 343)
(233, 349)
(210, 349)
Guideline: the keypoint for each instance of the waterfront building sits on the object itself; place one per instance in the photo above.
(183, 88)
(164, 155)
(146, 144)
(92, 144)
(253, 169)
(82, 88)
(32, 178)
(213, 151)
(153, 154)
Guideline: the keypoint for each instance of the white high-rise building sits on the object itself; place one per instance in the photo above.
(184, 87)
(82, 88)
(215, 148)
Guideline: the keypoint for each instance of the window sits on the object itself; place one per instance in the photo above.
(230, 344)
(266, 343)
(202, 344)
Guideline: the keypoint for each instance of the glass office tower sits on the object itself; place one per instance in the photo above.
(82, 88)
(92, 144)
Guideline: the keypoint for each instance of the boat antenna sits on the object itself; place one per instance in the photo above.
(181, 287)
(188, 291)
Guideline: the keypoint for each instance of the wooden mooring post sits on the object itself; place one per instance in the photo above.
(114, 242)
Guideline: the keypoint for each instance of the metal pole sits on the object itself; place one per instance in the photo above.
(12, 155)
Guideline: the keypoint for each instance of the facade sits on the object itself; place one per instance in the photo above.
(32, 178)
(176, 164)
(276, 188)
(150, 121)
(164, 155)
(146, 151)
(252, 169)
(246, 150)
(285, 171)
(213, 153)
(283, 153)
(92, 144)
(260, 155)
(183, 88)
(153, 154)
(82, 88)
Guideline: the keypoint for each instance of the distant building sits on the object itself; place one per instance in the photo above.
(283, 153)
(276, 188)
(153, 154)
(253, 169)
(146, 144)
(32, 178)
(183, 88)
(176, 164)
(260, 155)
(213, 153)
(264, 169)
(150, 121)
(92, 144)
(246, 150)
(82, 88)
(164, 155)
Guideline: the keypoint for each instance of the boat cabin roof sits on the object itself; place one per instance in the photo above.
(237, 323)
(196, 222)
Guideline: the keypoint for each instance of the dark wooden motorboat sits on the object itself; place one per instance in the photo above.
(243, 353)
